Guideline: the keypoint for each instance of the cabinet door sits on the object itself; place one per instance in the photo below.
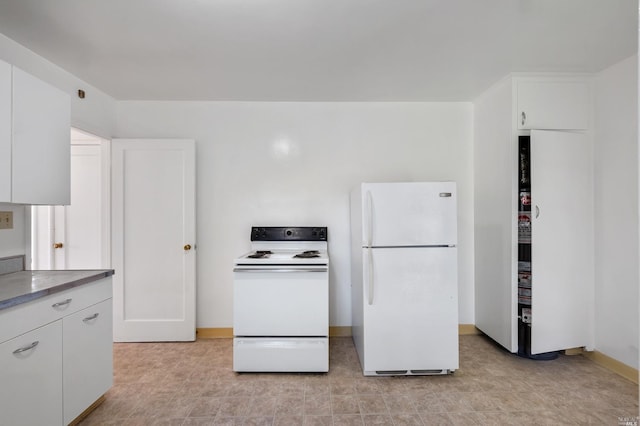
(31, 377)
(88, 357)
(5, 132)
(553, 105)
(41, 142)
(562, 240)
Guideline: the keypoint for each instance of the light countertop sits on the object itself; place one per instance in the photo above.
(25, 286)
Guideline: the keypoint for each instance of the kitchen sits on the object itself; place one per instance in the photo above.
(314, 152)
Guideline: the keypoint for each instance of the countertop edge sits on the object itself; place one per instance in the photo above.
(29, 297)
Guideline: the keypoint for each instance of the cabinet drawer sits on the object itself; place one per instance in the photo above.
(19, 319)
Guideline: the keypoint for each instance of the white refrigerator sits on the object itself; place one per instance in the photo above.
(404, 277)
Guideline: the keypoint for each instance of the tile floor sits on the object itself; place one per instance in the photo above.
(192, 384)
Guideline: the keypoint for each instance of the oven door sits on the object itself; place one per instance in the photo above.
(281, 300)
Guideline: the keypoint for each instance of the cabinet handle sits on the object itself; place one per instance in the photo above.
(537, 211)
(59, 304)
(57, 245)
(524, 117)
(187, 247)
(26, 348)
(92, 317)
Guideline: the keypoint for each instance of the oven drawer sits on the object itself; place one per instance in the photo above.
(281, 303)
(281, 354)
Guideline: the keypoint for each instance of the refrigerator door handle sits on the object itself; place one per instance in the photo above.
(370, 273)
(369, 219)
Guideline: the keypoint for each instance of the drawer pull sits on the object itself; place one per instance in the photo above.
(92, 317)
(59, 304)
(26, 348)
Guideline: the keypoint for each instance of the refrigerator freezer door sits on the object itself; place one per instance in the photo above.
(412, 322)
(409, 214)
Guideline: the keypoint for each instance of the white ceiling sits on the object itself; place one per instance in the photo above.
(318, 50)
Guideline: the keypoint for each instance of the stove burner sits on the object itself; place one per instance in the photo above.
(260, 254)
(308, 254)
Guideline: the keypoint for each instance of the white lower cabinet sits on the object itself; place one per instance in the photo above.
(87, 357)
(61, 361)
(31, 377)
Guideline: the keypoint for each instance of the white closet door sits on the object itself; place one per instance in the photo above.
(153, 196)
(562, 240)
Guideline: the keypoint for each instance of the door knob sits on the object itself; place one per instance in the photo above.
(187, 247)
(57, 245)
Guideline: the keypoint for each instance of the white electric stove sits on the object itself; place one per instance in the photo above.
(281, 302)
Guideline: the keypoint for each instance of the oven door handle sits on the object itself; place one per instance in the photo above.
(319, 269)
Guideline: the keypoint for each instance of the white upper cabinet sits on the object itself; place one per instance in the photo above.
(553, 105)
(41, 143)
(35, 120)
(5, 131)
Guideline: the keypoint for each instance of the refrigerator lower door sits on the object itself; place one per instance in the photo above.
(410, 321)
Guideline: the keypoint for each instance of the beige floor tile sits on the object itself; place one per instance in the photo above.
(436, 419)
(262, 406)
(345, 404)
(205, 407)
(193, 384)
(290, 405)
(258, 421)
(288, 421)
(347, 420)
(233, 406)
(399, 403)
(317, 405)
(318, 420)
(406, 419)
(464, 418)
(377, 420)
(372, 404)
(228, 421)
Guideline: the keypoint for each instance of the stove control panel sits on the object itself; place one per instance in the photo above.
(288, 233)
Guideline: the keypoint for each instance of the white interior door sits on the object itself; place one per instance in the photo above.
(562, 240)
(85, 222)
(77, 236)
(153, 195)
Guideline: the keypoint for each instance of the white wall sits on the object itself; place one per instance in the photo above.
(294, 164)
(13, 241)
(616, 212)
